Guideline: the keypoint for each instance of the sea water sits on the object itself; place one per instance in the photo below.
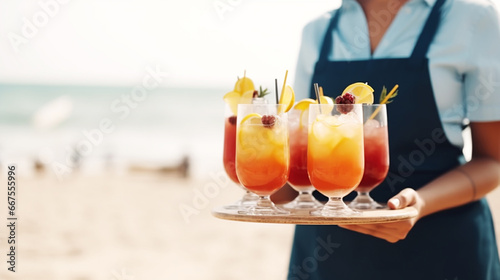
(158, 128)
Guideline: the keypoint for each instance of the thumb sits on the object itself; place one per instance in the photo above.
(405, 198)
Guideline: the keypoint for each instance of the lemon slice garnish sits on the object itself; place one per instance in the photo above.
(233, 99)
(252, 118)
(304, 104)
(362, 91)
(242, 94)
(326, 100)
(246, 97)
(244, 84)
(287, 99)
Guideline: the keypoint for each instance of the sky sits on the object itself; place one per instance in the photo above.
(198, 42)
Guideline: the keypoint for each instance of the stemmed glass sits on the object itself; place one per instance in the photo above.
(376, 146)
(299, 179)
(335, 159)
(262, 153)
(229, 160)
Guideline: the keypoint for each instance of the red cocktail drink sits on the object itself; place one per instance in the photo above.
(299, 178)
(298, 159)
(376, 150)
(230, 148)
(376, 157)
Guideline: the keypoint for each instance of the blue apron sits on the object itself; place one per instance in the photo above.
(454, 244)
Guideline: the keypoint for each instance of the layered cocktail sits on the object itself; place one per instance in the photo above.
(262, 153)
(335, 158)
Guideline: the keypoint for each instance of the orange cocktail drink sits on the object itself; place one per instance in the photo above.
(262, 152)
(229, 161)
(335, 158)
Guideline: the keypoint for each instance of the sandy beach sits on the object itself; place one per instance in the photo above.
(130, 227)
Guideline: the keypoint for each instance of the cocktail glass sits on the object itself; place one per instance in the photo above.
(335, 159)
(299, 179)
(262, 153)
(229, 160)
(376, 146)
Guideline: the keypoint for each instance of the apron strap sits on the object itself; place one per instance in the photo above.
(326, 47)
(428, 32)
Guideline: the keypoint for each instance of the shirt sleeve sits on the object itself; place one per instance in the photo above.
(482, 79)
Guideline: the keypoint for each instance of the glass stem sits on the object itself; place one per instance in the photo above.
(264, 202)
(249, 196)
(363, 197)
(335, 204)
(305, 196)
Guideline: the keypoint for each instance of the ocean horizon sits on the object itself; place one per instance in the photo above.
(161, 127)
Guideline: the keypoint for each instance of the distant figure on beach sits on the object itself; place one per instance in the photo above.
(444, 54)
(39, 166)
(184, 166)
(181, 169)
(75, 158)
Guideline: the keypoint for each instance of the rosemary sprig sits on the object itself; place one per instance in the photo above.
(262, 92)
(383, 95)
(386, 99)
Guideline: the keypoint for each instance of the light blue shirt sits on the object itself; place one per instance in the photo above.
(464, 58)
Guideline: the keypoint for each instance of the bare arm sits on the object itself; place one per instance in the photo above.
(471, 181)
(457, 187)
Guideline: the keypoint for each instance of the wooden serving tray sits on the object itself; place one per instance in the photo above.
(303, 217)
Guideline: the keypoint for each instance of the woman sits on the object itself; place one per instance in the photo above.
(444, 55)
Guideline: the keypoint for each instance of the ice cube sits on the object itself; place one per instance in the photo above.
(349, 130)
(321, 131)
(332, 121)
(349, 118)
(372, 123)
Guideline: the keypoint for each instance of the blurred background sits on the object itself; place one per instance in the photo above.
(67, 65)
(112, 112)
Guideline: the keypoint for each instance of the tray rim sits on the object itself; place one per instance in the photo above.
(301, 217)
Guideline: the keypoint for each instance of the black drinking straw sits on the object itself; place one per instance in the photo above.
(276, 85)
(316, 89)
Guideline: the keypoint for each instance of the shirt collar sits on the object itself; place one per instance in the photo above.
(429, 3)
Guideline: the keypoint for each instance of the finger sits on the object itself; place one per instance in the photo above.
(395, 226)
(383, 229)
(397, 229)
(380, 227)
(405, 198)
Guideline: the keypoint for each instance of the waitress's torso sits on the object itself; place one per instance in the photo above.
(454, 244)
(462, 67)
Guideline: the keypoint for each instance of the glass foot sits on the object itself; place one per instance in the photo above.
(363, 201)
(248, 200)
(265, 206)
(304, 200)
(335, 207)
